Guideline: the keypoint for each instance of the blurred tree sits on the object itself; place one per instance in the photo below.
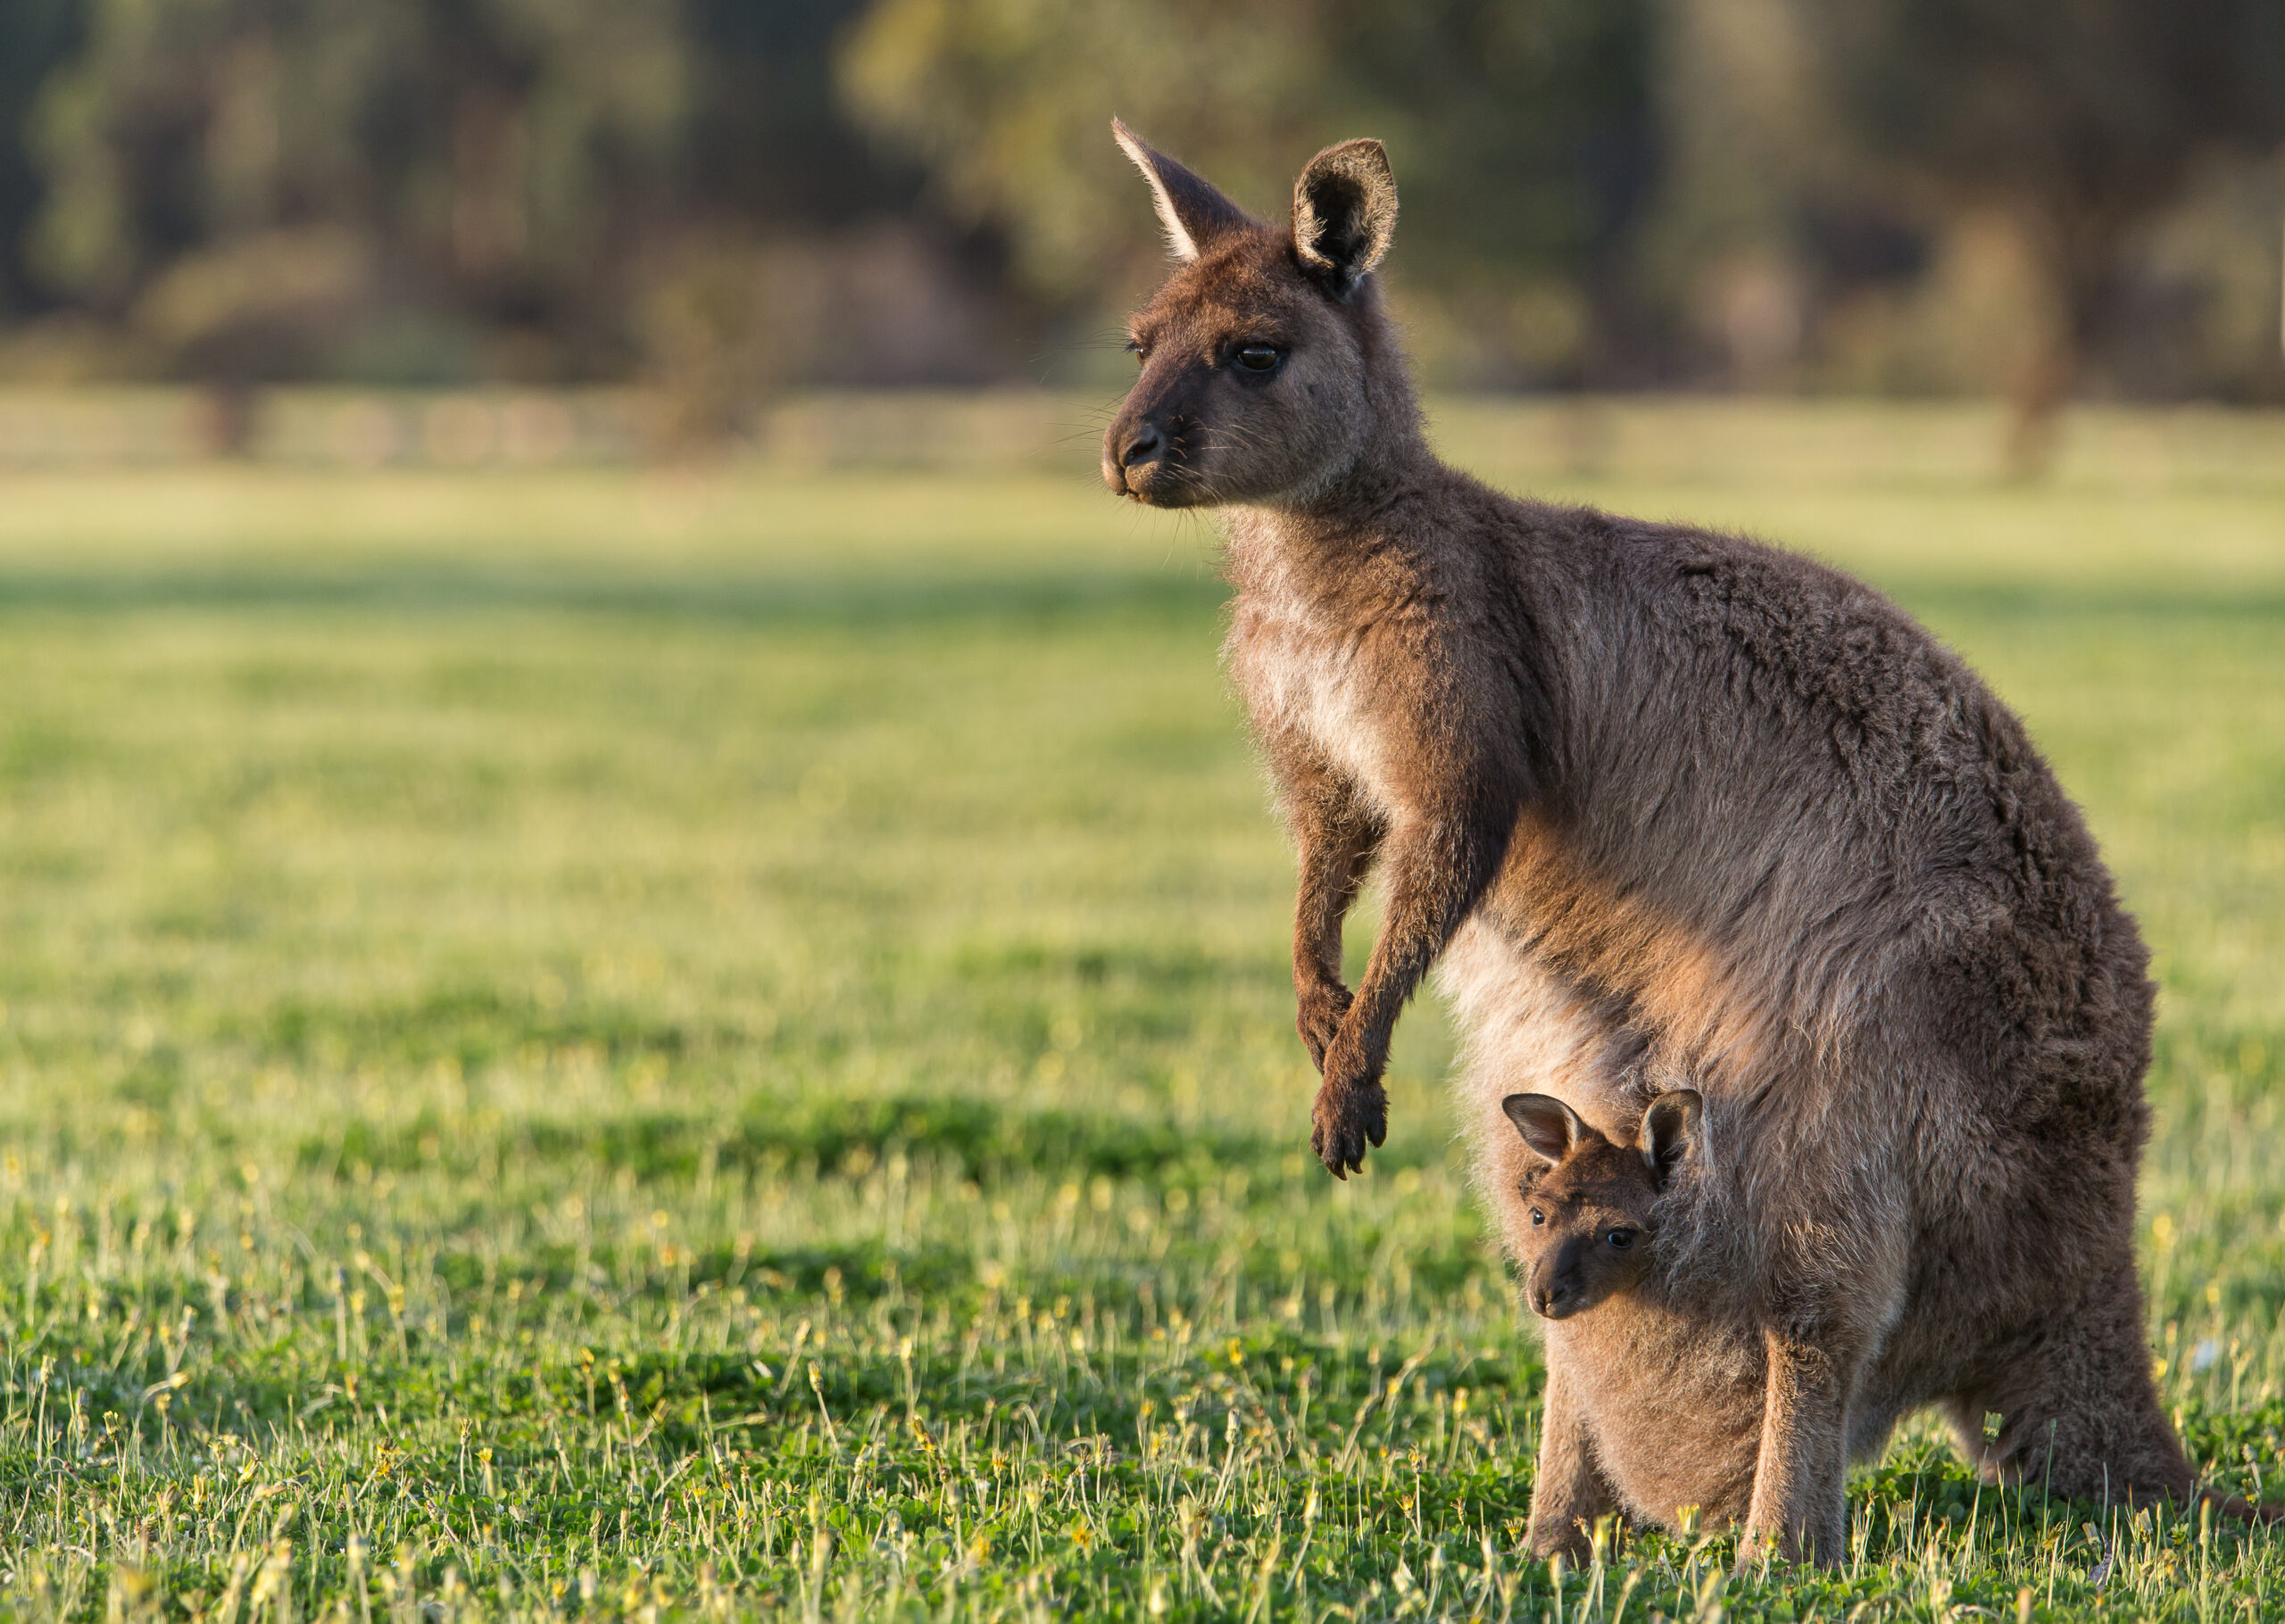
(2081, 118)
(36, 36)
(724, 197)
(1521, 131)
(237, 179)
(777, 183)
(770, 137)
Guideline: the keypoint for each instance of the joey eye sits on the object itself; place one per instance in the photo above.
(1622, 1238)
(1140, 350)
(1538, 1217)
(1260, 357)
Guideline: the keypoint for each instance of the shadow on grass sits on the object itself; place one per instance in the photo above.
(739, 598)
(969, 1138)
(932, 595)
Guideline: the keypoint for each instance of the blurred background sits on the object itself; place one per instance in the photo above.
(594, 796)
(717, 203)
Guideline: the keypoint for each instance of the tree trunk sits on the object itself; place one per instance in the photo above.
(2077, 258)
(2040, 390)
(226, 417)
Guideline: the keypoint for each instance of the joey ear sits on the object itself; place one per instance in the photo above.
(1670, 1129)
(1344, 213)
(1548, 1125)
(1194, 212)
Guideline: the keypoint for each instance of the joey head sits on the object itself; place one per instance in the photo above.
(1590, 1225)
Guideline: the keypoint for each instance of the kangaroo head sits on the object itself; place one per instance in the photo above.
(1589, 1208)
(1267, 367)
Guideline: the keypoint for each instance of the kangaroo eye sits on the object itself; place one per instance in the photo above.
(1260, 357)
(1538, 1217)
(1141, 351)
(1622, 1238)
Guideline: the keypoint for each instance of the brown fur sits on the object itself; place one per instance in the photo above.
(1670, 807)
(1672, 1417)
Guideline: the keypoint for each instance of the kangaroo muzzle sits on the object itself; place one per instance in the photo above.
(1132, 453)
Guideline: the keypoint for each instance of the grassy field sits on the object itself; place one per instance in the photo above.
(602, 1043)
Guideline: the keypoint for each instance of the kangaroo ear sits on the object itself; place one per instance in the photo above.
(1344, 213)
(1670, 1129)
(1548, 1125)
(1191, 210)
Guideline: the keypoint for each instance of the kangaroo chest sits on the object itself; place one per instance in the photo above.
(1311, 675)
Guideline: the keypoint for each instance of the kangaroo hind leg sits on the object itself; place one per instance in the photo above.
(2079, 1413)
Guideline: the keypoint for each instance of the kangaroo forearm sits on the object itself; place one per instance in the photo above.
(1437, 874)
(1334, 862)
(1437, 869)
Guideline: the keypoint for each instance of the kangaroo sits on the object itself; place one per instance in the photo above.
(1657, 804)
(1668, 1412)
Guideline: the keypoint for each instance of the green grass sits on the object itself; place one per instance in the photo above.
(600, 1043)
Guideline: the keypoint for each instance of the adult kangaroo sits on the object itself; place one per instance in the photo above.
(1667, 808)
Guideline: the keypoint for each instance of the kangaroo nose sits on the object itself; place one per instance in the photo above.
(1145, 444)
